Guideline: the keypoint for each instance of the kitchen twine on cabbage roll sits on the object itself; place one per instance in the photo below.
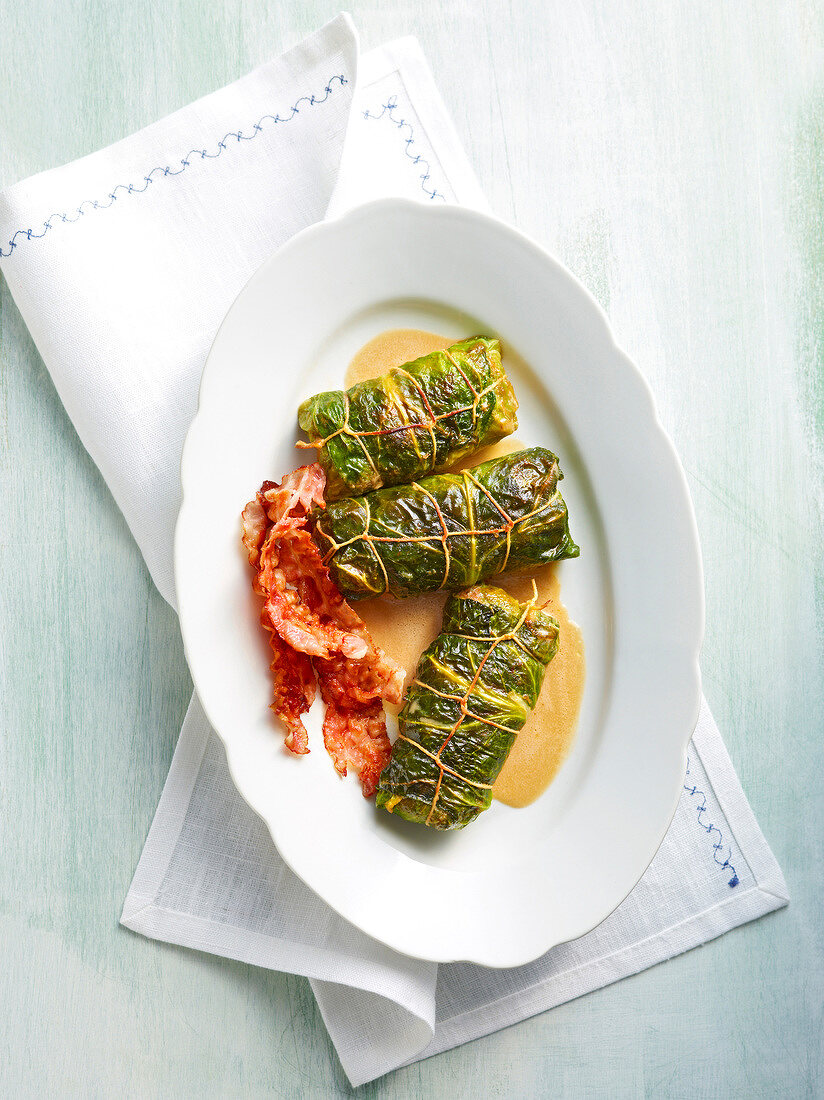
(428, 425)
(496, 640)
(446, 534)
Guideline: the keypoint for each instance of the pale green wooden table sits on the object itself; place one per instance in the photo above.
(671, 155)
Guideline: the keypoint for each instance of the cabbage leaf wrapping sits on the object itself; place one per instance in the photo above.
(448, 531)
(474, 688)
(412, 421)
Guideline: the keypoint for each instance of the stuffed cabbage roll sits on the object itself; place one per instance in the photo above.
(415, 420)
(473, 690)
(449, 530)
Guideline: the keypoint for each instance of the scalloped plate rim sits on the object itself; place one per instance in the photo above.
(646, 408)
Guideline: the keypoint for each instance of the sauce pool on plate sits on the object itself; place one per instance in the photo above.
(404, 629)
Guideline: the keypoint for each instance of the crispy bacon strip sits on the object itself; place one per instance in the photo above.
(314, 631)
(357, 738)
(304, 602)
(294, 689)
(305, 608)
(282, 505)
(354, 729)
(253, 523)
(351, 684)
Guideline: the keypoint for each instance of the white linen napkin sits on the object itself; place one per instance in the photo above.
(123, 265)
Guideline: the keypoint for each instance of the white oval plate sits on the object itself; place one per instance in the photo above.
(516, 882)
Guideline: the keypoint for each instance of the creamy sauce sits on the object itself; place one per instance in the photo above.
(542, 745)
(405, 628)
(392, 349)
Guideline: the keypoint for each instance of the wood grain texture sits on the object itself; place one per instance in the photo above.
(671, 155)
